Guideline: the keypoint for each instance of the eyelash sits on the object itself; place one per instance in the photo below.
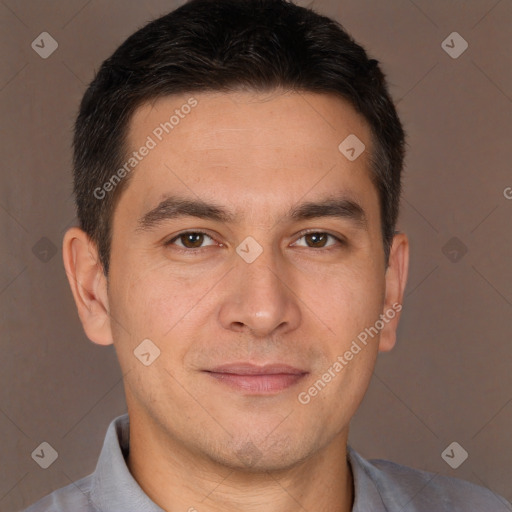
(170, 242)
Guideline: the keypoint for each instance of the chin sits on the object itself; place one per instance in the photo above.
(262, 456)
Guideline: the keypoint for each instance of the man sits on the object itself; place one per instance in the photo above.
(237, 175)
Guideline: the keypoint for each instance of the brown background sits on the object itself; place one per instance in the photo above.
(448, 379)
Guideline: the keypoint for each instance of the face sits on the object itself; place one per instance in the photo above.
(246, 237)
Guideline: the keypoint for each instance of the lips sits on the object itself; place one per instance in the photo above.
(257, 380)
(252, 369)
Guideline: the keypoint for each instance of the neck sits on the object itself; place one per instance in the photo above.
(178, 480)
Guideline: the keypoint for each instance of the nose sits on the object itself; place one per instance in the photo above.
(259, 297)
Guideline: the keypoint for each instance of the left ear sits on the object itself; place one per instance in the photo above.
(396, 279)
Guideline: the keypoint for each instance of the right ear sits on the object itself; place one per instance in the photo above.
(88, 284)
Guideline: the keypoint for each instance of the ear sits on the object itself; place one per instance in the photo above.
(396, 279)
(88, 284)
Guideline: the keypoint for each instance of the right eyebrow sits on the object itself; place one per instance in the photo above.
(172, 207)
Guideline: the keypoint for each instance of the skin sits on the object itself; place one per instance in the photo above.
(299, 303)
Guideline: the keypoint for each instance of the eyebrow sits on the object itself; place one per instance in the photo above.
(172, 207)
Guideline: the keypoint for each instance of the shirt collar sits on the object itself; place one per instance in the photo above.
(114, 488)
(366, 494)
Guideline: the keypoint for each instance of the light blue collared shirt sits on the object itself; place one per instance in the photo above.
(380, 486)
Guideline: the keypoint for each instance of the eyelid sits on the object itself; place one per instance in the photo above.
(189, 231)
(340, 239)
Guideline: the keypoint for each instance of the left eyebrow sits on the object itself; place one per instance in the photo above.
(343, 208)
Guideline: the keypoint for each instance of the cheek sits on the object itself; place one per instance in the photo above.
(157, 304)
(347, 299)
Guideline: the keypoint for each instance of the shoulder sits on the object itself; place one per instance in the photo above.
(413, 490)
(74, 497)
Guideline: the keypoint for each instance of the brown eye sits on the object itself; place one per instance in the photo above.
(191, 240)
(316, 239)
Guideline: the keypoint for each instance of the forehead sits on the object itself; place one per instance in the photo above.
(224, 120)
(255, 147)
